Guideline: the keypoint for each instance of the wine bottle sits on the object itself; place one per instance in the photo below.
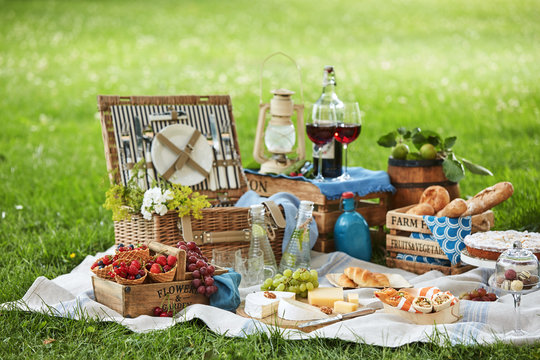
(332, 152)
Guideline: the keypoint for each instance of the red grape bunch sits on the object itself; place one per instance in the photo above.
(479, 294)
(199, 265)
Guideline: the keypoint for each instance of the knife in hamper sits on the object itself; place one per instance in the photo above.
(339, 317)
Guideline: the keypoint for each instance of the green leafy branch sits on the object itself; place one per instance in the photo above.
(430, 145)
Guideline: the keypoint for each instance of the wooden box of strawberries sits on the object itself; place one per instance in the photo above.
(153, 280)
(410, 252)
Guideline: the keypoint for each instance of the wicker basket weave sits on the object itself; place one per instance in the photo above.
(124, 281)
(104, 272)
(165, 229)
(128, 256)
(163, 277)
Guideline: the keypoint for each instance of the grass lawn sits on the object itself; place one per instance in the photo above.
(464, 68)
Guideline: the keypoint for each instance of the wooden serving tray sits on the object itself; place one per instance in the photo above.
(275, 320)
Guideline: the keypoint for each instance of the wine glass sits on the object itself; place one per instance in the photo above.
(320, 129)
(348, 130)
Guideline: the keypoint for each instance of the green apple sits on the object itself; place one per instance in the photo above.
(400, 151)
(428, 152)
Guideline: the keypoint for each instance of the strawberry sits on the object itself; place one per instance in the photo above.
(136, 264)
(131, 277)
(161, 260)
(93, 265)
(156, 269)
(171, 260)
(142, 272)
(107, 260)
(133, 270)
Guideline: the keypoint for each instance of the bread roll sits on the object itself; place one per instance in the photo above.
(365, 278)
(436, 196)
(345, 282)
(421, 209)
(454, 209)
(488, 198)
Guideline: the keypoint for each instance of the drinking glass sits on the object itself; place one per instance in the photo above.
(320, 129)
(347, 130)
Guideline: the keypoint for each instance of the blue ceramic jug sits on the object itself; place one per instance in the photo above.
(351, 232)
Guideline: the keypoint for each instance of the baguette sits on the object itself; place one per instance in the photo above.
(421, 209)
(366, 278)
(454, 209)
(345, 282)
(488, 198)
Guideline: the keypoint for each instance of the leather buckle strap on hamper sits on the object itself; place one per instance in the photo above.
(184, 156)
(214, 237)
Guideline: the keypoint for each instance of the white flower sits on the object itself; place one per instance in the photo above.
(155, 201)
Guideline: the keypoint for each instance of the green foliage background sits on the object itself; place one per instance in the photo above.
(464, 68)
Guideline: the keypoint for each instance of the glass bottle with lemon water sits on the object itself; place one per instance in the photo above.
(259, 240)
(297, 254)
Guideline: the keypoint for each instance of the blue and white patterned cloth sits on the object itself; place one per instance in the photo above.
(448, 233)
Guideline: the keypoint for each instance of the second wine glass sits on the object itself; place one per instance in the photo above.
(320, 129)
(347, 130)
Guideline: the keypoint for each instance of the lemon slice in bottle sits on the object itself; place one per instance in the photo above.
(258, 230)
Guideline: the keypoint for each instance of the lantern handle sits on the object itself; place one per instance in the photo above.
(297, 68)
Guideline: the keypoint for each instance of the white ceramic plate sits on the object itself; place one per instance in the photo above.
(163, 157)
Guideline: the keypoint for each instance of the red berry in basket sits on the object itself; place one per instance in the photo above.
(133, 270)
(142, 272)
(107, 260)
(158, 311)
(156, 269)
(136, 264)
(171, 260)
(131, 277)
(161, 260)
(167, 268)
(191, 245)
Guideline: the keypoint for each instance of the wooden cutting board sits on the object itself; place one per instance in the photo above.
(282, 323)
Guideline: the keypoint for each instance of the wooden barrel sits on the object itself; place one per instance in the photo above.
(412, 177)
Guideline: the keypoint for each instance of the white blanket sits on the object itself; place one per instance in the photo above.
(71, 295)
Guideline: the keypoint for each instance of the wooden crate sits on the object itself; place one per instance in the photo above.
(134, 300)
(372, 207)
(401, 225)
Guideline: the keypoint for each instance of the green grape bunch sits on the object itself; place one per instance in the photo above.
(299, 282)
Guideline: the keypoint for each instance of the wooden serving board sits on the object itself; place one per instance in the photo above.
(282, 323)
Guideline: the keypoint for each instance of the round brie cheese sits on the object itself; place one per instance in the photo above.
(290, 309)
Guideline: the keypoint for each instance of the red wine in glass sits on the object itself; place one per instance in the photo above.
(347, 133)
(320, 134)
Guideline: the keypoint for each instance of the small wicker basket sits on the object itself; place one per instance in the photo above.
(124, 281)
(141, 255)
(103, 272)
(163, 277)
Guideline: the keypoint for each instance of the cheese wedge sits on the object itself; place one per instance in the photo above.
(259, 306)
(325, 296)
(352, 298)
(290, 309)
(344, 307)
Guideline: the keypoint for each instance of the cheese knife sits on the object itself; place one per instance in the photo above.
(339, 317)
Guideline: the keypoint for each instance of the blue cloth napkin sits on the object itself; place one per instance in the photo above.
(228, 295)
(448, 233)
(363, 182)
(290, 205)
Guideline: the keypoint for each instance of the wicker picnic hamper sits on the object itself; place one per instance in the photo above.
(223, 226)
